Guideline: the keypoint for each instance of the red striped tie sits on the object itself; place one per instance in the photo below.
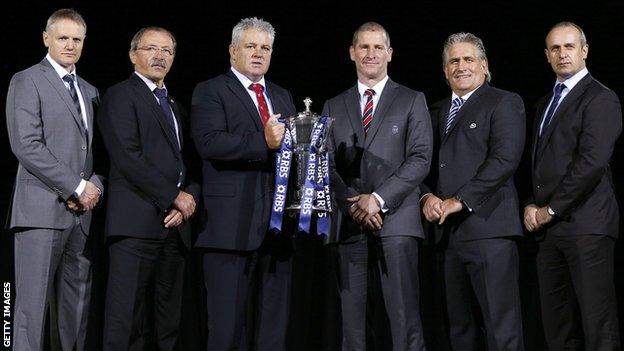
(367, 115)
(263, 108)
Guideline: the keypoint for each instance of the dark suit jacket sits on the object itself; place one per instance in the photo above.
(571, 166)
(238, 168)
(146, 161)
(475, 161)
(392, 160)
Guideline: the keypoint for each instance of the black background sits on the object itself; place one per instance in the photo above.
(311, 59)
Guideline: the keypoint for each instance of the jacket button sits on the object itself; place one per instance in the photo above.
(539, 186)
(84, 147)
(81, 174)
(442, 165)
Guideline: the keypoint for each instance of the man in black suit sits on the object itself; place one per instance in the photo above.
(150, 203)
(479, 132)
(380, 153)
(573, 207)
(236, 132)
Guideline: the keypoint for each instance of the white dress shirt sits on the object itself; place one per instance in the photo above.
(569, 84)
(246, 82)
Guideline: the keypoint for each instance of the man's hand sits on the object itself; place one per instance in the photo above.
(431, 207)
(542, 216)
(73, 204)
(450, 206)
(174, 218)
(363, 207)
(375, 223)
(89, 197)
(274, 132)
(530, 218)
(185, 203)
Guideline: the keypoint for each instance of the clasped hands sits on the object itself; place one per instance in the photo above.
(535, 217)
(87, 200)
(274, 132)
(366, 211)
(183, 209)
(436, 209)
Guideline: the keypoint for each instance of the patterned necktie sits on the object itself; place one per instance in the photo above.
(456, 104)
(69, 79)
(553, 106)
(367, 114)
(161, 94)
(263, 108)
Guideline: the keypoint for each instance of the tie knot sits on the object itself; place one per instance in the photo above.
(559, 88)
(457, 102)
(69, 78)
(257, 88)
(160, 92)
(369, 92)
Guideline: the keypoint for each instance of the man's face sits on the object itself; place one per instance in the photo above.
(154, 56)
(464, 70)
(564, 51)
(64, 41)
(371, 55)
(252, 55)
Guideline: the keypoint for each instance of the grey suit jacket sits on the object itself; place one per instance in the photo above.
(54, 152)
(392, 160)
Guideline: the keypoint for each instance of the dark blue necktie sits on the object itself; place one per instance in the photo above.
(69, 79)
(455, 105)
(161, 94)
(553, 106)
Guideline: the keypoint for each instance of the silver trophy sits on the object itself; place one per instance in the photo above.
(300, 128)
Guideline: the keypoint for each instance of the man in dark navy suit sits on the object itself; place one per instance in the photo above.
(479, 138)
(236, 131)
(573, 207)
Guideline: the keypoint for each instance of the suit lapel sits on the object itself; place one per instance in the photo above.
(178, 116)
(88, 105)
(354, 111)
(472, 101)
(442, 117)
(541, 107)
(565, 104)
(388, 95)
(240, 91)
(149, 99)
(50, 74)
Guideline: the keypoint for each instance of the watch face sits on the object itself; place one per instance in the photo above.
(551, 212)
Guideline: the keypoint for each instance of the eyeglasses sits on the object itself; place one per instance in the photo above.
(154, 50)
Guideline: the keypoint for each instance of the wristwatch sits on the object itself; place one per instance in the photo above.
(550, 211)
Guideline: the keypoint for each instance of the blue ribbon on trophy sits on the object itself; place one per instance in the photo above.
(308, 195)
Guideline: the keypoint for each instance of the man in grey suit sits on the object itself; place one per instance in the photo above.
(49, 114)
(381, 149)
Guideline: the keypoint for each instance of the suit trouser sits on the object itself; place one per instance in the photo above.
(395, 261)
(248, 296)
(579, 308)
(47, 259)
(489, 268)
(144, 293)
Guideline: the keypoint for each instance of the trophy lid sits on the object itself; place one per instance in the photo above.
(307, 113)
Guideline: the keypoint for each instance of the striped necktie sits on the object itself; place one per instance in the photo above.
(367, 115)
(263, 108)
(456, 104)
(553, 106)
(69, 79)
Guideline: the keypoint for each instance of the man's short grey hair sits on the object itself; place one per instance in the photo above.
(464, 37)
(370, 27)
(251, 23)
(570, 24)
(65, 14)
(136, 39)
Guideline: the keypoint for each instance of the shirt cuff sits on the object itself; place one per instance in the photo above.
(81, 187)
(424, 196)
(381, 201)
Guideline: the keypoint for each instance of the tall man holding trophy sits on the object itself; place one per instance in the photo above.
(236, 132)
(380, 150)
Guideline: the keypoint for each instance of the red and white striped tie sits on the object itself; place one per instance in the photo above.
(367, 114)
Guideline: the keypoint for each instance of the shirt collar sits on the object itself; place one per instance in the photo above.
(572, 81)
(378, 88)
(62, 72)
(151, 85)
(246, 82)
(465, 96)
